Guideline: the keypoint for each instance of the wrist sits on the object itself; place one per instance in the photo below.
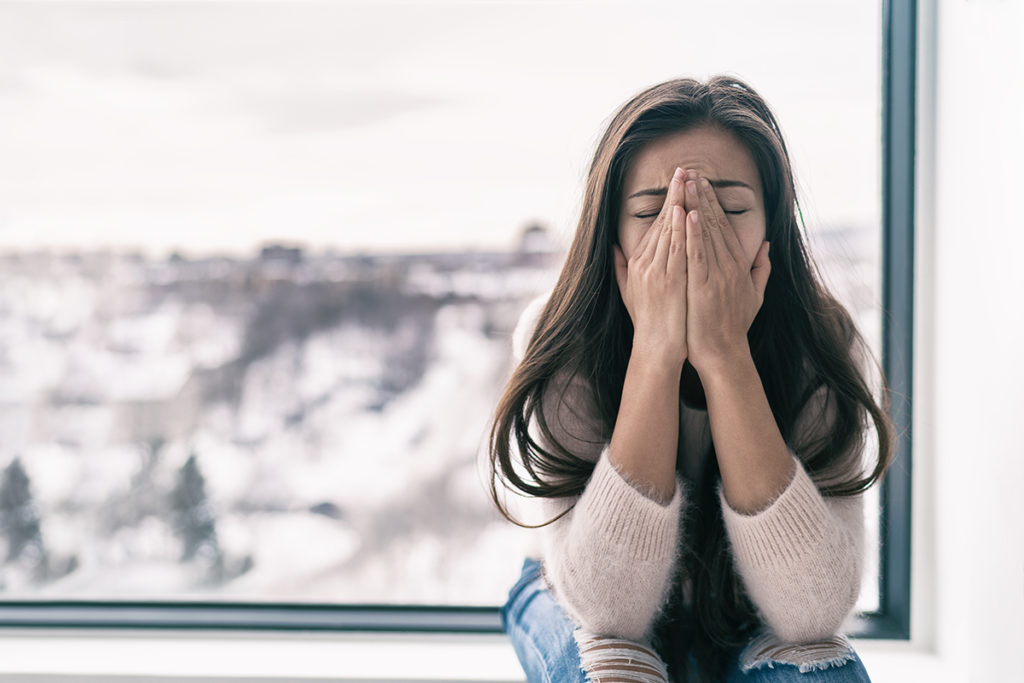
(726, 364)
(662, 357)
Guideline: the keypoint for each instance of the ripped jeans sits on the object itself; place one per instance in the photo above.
(552, 650)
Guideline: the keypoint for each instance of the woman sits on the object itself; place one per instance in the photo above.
(689, 414)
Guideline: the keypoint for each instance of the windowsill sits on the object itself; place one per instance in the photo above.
(37, 655)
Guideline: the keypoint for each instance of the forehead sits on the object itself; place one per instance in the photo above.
(712, 151)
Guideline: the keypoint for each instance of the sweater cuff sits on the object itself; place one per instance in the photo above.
(796, 521)
(641, 526)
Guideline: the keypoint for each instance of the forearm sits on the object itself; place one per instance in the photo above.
(752, 456)
(646, 435)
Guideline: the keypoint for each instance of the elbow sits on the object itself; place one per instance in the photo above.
(612, 615)
(818, 616)
(633, 629)
(612, 603)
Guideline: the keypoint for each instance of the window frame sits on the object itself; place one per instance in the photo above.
(899, 134)
(890, 621)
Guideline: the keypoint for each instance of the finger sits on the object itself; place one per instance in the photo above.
(692, 201)
(696, 253)
(708, 224)
(759, 272)
(648, 241)
(645, 247)
(660, 259)
(673, 198)
(704, 220)
(621, 270)
(677, 247)
(727, 244)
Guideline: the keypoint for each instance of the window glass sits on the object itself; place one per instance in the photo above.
(261, 262)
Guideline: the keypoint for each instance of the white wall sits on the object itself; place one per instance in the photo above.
(969, 395)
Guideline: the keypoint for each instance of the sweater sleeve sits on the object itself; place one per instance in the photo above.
(610, 559)
(800, 558)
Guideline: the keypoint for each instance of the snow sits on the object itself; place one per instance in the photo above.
(343, 467)
(337, 409)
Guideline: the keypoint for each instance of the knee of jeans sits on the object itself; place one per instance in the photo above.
(766, 650)
(616, 660)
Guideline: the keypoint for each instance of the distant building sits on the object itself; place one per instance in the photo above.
(279, 252)
(535, 239)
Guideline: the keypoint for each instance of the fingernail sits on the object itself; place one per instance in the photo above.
(691, 188)
(678, 174)
(704, 182)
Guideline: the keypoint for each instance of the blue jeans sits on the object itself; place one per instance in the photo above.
(542, 636)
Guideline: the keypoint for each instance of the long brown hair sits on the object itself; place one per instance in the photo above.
(801, 340)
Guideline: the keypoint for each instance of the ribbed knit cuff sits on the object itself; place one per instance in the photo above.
(795, 522)
(620, 513)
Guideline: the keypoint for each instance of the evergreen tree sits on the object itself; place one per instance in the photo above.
(193, 520)
(19, 517)
(192, 516)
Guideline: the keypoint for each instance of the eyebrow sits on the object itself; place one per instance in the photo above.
(655, 191)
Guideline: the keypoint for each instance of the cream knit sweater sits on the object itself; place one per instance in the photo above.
(610, 561)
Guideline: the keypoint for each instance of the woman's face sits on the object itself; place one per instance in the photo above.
(716, 155)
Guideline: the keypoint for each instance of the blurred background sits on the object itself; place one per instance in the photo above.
(261, 261)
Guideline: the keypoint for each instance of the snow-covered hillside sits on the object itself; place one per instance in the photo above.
(285, 428)
(289, 427)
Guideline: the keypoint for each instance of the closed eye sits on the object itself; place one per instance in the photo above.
(652, 215)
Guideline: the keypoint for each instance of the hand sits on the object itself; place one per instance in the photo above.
(653, 282)
(725, 290)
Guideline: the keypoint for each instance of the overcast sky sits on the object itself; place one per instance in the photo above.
(217, 127)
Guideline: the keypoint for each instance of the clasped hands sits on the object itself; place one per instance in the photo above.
(688, 286)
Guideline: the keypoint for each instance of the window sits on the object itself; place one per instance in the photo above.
(261, 262)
